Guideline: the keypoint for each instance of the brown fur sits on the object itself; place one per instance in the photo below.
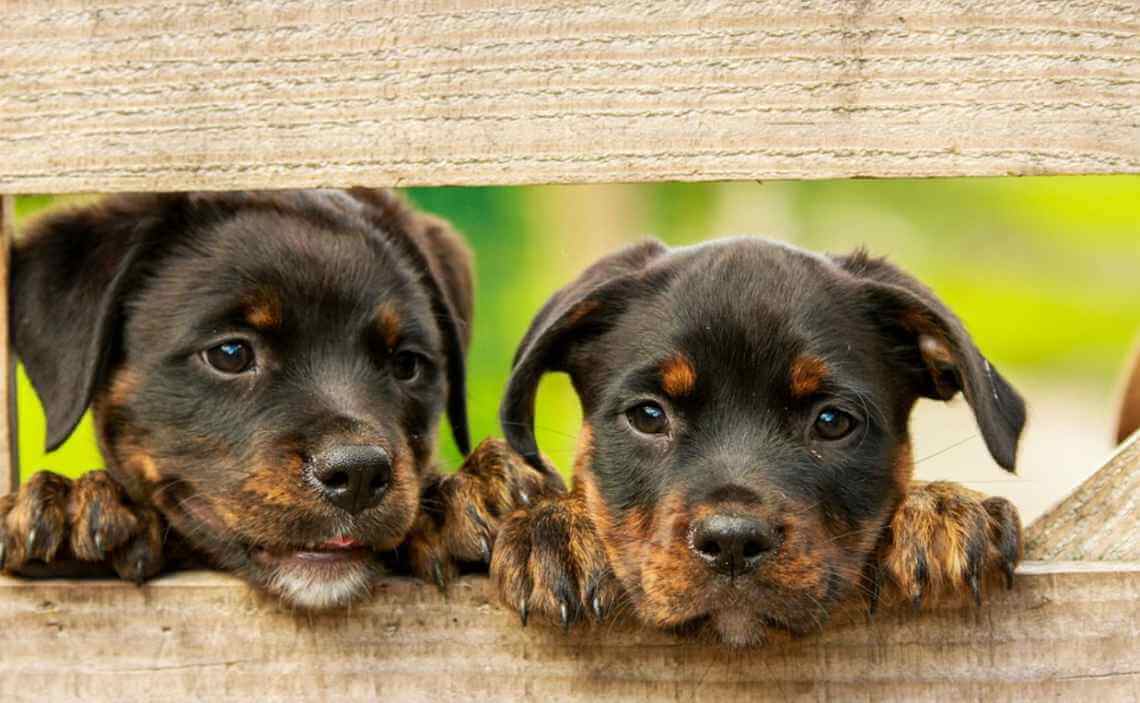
(462, 512)
(264, 310)
(388, 323)
(942, 535)
(808, 375)
(678, 377)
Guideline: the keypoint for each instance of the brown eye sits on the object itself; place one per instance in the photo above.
(405, 365)
(832, 424)
(232, 357)
(648, 418)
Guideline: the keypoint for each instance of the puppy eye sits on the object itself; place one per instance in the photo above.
(832, 424)
(648, 418)
(405, 365)
(231, 357)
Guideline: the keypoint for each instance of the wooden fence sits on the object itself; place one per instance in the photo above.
(107, 95)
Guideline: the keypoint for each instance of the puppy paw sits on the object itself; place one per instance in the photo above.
(53, 519)
(460, 514)
(947, 540)
(549, 560)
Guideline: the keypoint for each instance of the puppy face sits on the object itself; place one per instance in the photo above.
(267, 369)
(746, 409)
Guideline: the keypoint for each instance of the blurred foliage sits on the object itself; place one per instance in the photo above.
(1044, 271)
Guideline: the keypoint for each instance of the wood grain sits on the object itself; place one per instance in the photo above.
(9, 457)
(1064, 631)
(127, 94)
(1099, 520)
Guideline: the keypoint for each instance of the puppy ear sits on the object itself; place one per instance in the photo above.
(438, 251)
(584, 308)
(69, 275)
(940, 353)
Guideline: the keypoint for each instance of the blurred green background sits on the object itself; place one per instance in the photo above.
(1044, 271)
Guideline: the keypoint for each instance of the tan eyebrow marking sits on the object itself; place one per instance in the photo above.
(678, 377)
(263, 309)
(808, 375)
(388, 322)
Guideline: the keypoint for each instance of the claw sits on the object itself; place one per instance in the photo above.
(1007, 567)
(30, 545)
(485, 547)
(99, 543)
(437, 574)
(524, 498)
(595, 601)
(920, 576)
(140, 572)
(523, 611)
(564, 613)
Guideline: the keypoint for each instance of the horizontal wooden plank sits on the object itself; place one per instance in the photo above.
(1066, 630)
(128, 94)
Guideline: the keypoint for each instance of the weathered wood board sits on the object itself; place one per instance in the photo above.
(1065, 631)
(126, 94)
(1098, 521)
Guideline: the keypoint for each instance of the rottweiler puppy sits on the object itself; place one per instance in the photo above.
(744, 464)
(267, 372)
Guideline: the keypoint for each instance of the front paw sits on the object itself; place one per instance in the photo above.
(53, 519)
(460, 514)
(549, 560)
(946, 539)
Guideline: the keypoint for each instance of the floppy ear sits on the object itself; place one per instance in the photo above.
(585, 307)
(69, 275)
(939, 352)
(436, 250)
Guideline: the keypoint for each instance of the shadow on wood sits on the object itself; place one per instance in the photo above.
(1065, 630)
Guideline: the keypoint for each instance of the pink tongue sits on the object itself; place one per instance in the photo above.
(341, 543)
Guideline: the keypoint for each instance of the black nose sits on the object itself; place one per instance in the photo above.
(734, 545)
(352, 477)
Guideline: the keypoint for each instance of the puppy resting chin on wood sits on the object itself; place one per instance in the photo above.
(745, 462)
(267, 372)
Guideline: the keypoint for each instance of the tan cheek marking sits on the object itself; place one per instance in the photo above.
(148, 468)
(584, 454)
(123, 386)
(271, 482)
(678, 376)
(388, 323)
(263, 309)
(808, 375)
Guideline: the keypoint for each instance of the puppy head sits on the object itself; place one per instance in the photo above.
(746, 408)
(267, 368)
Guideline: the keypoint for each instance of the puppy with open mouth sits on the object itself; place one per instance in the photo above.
(744, 462)
(267, 372)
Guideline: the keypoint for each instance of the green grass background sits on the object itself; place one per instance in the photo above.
(1045, 271)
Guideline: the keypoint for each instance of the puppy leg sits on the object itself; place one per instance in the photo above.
(52, 522)
(947, 540)
(460, 514)
(549, 560)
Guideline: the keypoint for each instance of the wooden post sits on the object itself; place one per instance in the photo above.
(9, 453)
